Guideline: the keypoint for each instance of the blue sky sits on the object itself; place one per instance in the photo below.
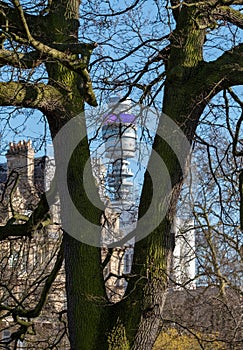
(24, 124)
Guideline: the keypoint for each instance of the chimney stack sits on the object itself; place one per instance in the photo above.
(20, 158)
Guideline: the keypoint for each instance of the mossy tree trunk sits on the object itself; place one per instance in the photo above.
(186, 95)
(84, 276)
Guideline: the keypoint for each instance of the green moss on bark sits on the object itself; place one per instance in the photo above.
(117, 339)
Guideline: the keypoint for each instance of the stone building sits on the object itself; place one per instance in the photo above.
(28, 263)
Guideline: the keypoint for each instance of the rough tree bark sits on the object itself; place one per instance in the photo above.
(135, 322)
(187, 92)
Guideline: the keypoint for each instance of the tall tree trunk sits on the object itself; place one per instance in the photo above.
(141, 312)
(86, 297)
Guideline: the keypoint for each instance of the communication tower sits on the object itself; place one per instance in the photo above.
(120, 135)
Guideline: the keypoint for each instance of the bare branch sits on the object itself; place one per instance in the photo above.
(51, 52)
(69, 60)
(37, 220)
(20, 60)
(9, 20)
(38, 96)
(228, 67)
(220, 74)
(227, 13)
(208, 2)
(51, 278)
(20, 312)
(117, 13)
(228, 2)
(220, 10)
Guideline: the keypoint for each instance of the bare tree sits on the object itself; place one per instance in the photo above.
(211, 313)
(168, 56)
